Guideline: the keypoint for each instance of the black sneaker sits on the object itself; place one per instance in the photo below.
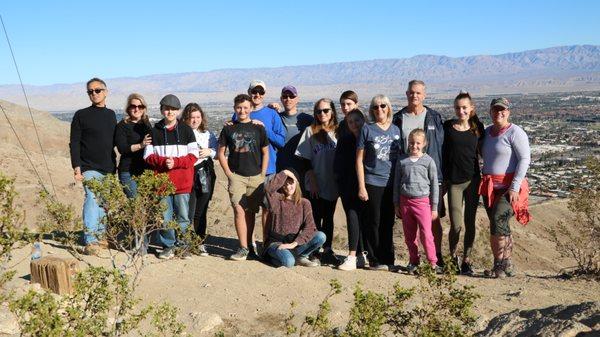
(328, 257)
(466, 268)
(411, 269)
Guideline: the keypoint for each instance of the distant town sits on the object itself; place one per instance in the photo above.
(563, 130)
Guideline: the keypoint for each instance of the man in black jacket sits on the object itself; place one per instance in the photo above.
(92, 155)
(416, 115)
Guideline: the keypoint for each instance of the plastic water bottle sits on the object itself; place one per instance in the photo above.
(36, 252)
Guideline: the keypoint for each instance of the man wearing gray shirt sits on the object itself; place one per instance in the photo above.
(417, 115)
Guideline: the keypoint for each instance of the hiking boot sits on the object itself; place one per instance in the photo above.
(167, 253)
(379, 267)
(328, 257)
(240, 255)
(496, 272)
(349, 263)
(92, 249)
(306, 262)
(508, 267)
(466, 268)
(411, 269)
(202, 251)
(437, 269)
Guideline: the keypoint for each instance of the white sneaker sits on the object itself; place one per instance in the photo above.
(306, 262)
(348, 264)
(202, 251)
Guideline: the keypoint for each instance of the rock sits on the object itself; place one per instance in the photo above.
(8, 322)
(558, 320)
(204, 321)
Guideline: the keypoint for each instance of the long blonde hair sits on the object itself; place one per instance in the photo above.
(140, 98)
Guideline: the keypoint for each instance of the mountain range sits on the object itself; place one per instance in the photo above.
(565, 68)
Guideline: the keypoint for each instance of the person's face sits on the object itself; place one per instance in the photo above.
(380, 112)
(289, 187)
(347, 105)
(195, 120)
(324, 113)
(416, 144)
(136, 110)
(463, 109)
(258, 94)
(243, 110)
(355, 123)
(289, 100)
(499, 115)
(97, 93)
(416, 95)
(170, 113)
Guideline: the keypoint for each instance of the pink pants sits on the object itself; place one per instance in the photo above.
(416, 216)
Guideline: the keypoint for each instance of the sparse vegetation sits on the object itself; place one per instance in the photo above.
(102, 302)
(437, 307)
(577, 237)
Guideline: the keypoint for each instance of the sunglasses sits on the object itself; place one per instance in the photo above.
(288, 96)
(382, 106)
(140, 107)
(96, 91)
(257, 91)
(323, 111)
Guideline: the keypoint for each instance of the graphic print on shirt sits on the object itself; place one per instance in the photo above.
(383, 144)
(244, 142)
(320, 147)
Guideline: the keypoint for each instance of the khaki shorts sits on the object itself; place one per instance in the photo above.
(247, 192)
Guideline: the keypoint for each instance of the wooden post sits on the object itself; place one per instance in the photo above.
(54, 273)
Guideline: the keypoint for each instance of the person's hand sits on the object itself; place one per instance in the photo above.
(397, 211)
(434, 215)
(204, 153)
(170, 163)
(362, 194)
(289, 174)
(513, 197)
(146, 141)
(257, 122)
(287, 245)
(228, 122)
(77, 174)
(275, 106)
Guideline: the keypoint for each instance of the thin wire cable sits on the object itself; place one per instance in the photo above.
(23, 147)
(30, 112)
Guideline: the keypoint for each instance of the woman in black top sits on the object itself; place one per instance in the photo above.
(345, 172)
(462, 138)
(131, 137)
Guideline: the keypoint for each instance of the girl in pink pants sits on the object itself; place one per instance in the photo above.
(415, 197)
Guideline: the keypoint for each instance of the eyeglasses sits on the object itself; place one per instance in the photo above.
(323, 111)
(382, 106)
(257, 91)
(96, 91)
(140, 107)
(288, 96)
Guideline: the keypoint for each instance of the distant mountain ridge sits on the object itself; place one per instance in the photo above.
(570, 67)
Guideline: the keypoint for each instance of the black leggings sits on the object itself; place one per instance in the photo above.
(378, 220)
(199, 203)
(323, 211)
(351, 205)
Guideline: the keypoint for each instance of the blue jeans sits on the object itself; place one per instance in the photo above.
(284, 257)
(178, 208)
(92, 212)
(129, 185)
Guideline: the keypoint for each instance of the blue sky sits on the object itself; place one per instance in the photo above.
(71, 41)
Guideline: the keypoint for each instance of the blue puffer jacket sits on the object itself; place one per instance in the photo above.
(434, 128)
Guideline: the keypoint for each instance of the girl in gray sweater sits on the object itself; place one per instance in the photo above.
(416, 197)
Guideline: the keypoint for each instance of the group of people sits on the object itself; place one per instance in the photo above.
(292, 167)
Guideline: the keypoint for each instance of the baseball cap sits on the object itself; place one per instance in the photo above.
(289, 88)
(501, 101)
(257, 83)
(171, 100)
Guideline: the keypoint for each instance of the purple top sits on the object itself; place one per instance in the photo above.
(507, 153)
